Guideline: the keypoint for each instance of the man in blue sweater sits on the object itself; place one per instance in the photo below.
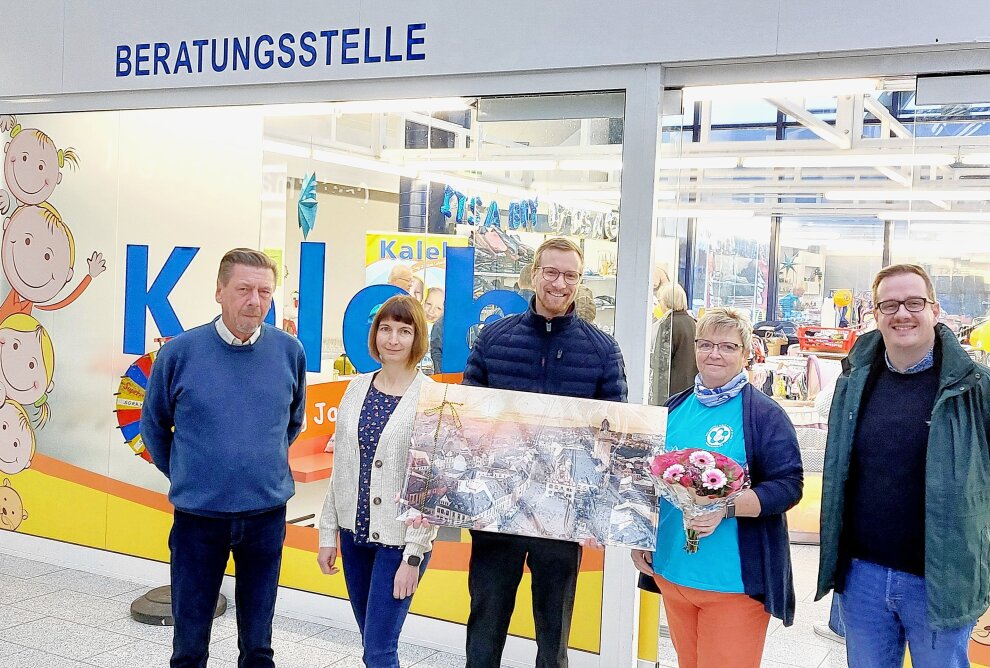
(905, 503)
(549, 350)
(223, 404)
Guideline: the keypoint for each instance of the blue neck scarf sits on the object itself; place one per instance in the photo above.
(710, 398)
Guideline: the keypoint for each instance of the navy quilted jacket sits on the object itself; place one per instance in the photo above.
(564, 355)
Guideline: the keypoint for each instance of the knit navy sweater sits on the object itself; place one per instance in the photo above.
(885, 494)
(235, 410)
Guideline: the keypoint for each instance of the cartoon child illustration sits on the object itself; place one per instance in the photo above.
(17, 440)
(12, 511)
(32, 166)
(37, 253)
(981, 632)
(27, 364)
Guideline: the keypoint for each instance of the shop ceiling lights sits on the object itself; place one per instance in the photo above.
(781, 89)
(534, 165)
(850, 160)
(286, 148)
(427, 106)
(699, 162)
(519, 165)
(604, 195)
(467, 186)
(735, 214)
(909, 195)
(348, 160)
(934, 216)
(590, 164)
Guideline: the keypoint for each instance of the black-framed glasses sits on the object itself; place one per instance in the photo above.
(551, 274)
(912, 304)
(725, 348)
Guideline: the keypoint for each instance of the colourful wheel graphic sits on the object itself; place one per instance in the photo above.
(130, 399)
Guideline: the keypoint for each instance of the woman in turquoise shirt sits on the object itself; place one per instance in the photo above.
(720, 599)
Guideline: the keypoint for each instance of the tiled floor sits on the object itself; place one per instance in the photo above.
(52, 617)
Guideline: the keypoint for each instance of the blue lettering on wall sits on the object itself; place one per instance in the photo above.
(462, 311)
(123, 60)
(357, 324)
(348, 46)
(412, 40)
(139, 299)
(312, 273)
(372, 45)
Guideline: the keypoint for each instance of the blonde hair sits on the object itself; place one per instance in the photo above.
(247, 257)
(897, 270)
(727, 318)
(672, 297)
(25, 422)
(55, 222)
(26, 324)
(67, 155)
(407, 310)
(557, 243)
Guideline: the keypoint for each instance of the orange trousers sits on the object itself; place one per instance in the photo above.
(714, 630)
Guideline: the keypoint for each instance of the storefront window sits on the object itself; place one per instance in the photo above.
(444, 199)
(945, 224)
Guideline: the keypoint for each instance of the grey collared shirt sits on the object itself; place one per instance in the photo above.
(229, 337)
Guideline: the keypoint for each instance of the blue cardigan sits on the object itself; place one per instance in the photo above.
(778, 479)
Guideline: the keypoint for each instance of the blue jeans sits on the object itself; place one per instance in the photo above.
(200, 547)
(883, 610)
(369, 573)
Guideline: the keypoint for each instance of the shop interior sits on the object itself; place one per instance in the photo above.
(780, 199)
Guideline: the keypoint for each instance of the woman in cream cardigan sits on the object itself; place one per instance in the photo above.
(383, 558)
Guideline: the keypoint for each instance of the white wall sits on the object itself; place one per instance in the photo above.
(59, 46)
(154, 178)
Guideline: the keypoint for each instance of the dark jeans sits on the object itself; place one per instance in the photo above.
(200, 548)
(883, 610)
(493, 577)
(369, 572)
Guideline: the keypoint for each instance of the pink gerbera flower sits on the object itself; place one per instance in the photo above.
(713, 479)
(703, 460)
(673, 473)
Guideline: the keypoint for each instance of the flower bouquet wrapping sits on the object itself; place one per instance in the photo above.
(697, 482)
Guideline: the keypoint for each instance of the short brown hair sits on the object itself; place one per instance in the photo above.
(557, 243)
(897, 270)
(404, 309)
(247, 257)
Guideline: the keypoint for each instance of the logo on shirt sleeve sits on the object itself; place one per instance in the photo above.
(718, 435)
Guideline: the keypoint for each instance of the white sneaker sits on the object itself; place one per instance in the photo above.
(825, 632)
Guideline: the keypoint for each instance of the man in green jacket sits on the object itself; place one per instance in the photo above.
(906, 495)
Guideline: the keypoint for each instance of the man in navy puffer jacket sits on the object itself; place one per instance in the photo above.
(549, 350)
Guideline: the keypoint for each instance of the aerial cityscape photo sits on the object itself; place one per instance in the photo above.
(535, 465)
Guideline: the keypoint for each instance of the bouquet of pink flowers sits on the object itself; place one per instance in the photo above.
(697, 482)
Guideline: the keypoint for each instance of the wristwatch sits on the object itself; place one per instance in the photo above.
(413, 560)
(730, 510)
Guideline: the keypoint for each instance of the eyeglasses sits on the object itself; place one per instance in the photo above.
(551, 274)
(912, 304)
(725, 348)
